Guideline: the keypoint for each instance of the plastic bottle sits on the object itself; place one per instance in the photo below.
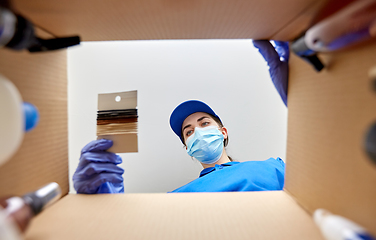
(16, 118)
(8, 230)
(356, 22)
(20, 210)
(11, 121)
(334, 227)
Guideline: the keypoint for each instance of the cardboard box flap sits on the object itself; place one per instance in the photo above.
(330, 114)
(43, 156)
(170, 19)
(239, 215)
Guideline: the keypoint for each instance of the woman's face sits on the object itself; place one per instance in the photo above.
(200, 120)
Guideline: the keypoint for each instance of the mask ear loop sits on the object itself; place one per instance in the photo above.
(192, 158)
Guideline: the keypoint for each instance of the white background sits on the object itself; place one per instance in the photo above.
(229, 75)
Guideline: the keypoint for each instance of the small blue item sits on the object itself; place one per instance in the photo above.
(185, 109)
(97, 171)
(31, 114)
(265, 175)
(277, 58)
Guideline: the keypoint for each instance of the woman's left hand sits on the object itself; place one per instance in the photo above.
(277, 58)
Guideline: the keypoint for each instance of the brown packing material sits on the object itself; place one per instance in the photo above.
(255, 215)
(98, 20)
(299, 24)
(311, 15)
(43, 155)
(329, 115)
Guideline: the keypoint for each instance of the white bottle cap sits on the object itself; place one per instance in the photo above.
(319, 215)
(8, 229)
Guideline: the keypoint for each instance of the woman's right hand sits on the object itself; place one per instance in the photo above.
(97, 171)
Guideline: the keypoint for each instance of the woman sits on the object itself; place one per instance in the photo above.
(205, 139)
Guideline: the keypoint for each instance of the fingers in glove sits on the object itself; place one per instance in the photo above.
(283, 50)
(91, 169)
(268, 52)
(97, 146)
(111, 188)
(101, 157)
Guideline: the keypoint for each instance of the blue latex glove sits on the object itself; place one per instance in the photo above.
(97, 171)
(277, 58)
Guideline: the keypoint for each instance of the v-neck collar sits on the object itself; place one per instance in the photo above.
(216, 167)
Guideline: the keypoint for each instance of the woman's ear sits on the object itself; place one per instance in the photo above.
(224, 132)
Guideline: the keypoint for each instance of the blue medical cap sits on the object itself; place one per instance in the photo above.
(185, 109)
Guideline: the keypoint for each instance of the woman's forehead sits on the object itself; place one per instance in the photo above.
(194, 117)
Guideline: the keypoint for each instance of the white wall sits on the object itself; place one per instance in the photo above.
(229, 75)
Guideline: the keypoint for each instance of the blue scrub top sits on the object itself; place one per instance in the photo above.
(239, 176)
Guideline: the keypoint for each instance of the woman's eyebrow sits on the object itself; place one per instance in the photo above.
(198, 120)
(201, 118)
(186, 127)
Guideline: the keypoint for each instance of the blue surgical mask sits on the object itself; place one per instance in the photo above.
(206, 144)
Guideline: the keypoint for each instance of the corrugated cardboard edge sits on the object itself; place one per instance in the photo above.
(166, 19)
(300, 23)
(43, 156)
(234, 215)
(329, 115)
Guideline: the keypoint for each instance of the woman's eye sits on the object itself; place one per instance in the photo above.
(188, 132)
(205, 124)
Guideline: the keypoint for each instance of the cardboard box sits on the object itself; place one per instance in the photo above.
(329, 114)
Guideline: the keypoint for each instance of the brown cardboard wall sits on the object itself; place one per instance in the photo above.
(300, 23)
(329, 115)
(43, 156)
(238, 215)
(98, 20)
